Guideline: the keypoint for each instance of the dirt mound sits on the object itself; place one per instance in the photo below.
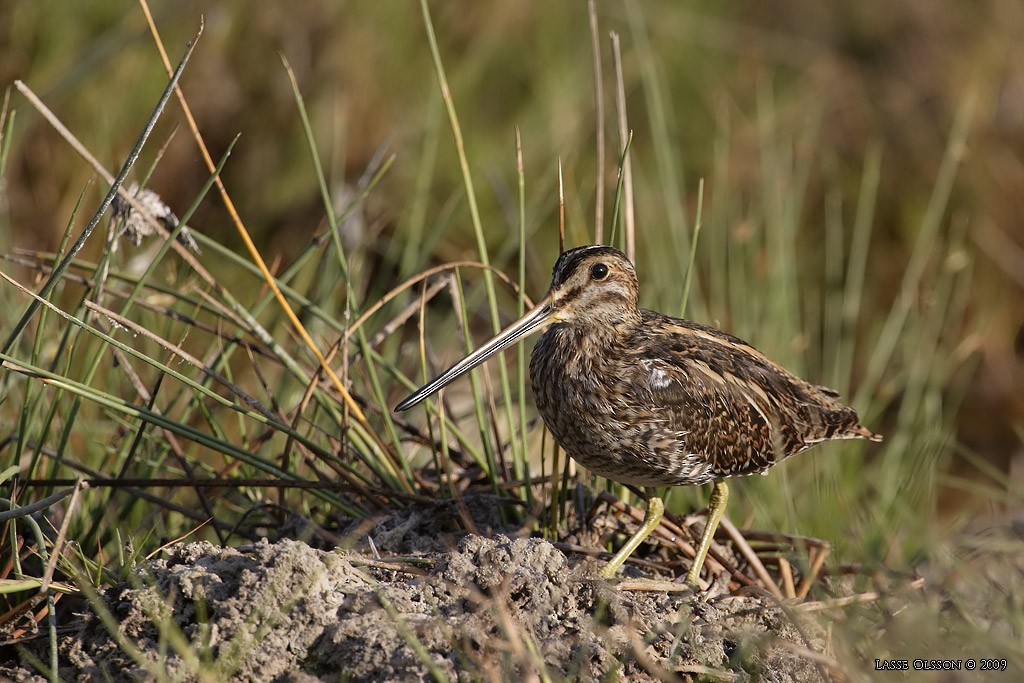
(494, 608)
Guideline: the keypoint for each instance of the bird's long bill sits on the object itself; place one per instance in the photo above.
(538, 317)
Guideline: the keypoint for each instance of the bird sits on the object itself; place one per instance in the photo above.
(650, 400)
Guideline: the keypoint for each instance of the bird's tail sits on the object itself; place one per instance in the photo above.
(861, 432)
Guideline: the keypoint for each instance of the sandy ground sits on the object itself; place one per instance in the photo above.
(416, 600)
(413, 607)
(497, 608)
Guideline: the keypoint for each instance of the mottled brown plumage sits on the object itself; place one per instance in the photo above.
(646, 399)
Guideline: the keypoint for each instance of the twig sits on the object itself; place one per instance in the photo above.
(595, 47)
(443, 268)
(653, 586)
(624, 136)
(860, 598)
(561, 209)
(750, 556)
(816, 564)
(787, 578)
(708, 672)
(835, 669)
(58, 545)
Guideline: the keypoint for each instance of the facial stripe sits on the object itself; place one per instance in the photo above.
(616, 296)
(612, 292)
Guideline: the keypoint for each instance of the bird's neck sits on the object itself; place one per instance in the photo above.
(599, 338)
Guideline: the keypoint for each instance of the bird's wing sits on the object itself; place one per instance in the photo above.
(737, 408)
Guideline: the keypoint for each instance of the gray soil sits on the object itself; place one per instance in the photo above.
(484, 608)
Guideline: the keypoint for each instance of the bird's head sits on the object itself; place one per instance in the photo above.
(593, 288)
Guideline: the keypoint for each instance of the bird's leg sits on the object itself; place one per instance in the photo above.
(716, 506)
(655, 511)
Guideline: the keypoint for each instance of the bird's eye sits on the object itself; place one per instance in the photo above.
(599, 271)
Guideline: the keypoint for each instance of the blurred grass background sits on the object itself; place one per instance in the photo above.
(889, 132)
(709, 87)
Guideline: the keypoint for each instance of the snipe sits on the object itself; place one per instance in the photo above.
(649, 400)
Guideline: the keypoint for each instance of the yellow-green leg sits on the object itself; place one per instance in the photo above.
(716, 506)
(655, 511)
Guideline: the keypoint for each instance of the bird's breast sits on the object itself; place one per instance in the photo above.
(567, 384)
(587, 397)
